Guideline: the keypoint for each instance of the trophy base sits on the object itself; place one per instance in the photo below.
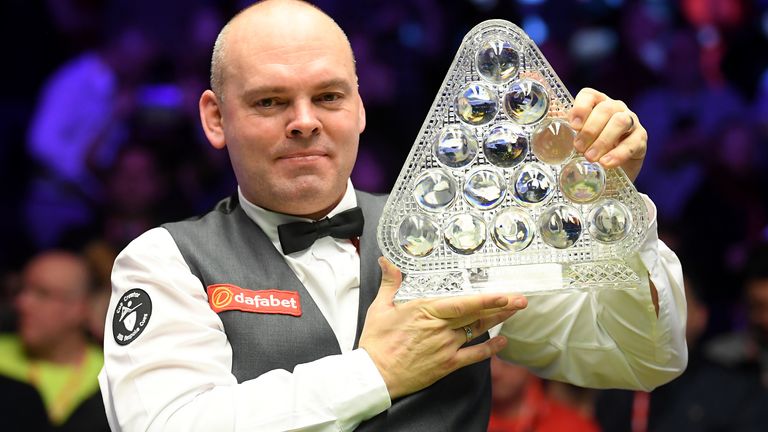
(531, 279)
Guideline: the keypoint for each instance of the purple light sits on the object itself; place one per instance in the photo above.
(536, 28)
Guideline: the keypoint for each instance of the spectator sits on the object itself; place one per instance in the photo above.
(79, 124)
(51, 351)
(519, 404)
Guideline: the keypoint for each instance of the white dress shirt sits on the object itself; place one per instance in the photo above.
(329, 269)
(177, 374)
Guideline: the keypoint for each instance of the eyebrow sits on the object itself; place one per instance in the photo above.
(272, 89)
(335, 83)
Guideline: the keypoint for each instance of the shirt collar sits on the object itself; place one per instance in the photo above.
(268, 220)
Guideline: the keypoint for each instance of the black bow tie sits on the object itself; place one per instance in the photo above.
(297, 236)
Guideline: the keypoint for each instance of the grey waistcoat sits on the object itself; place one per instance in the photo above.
(225, 246)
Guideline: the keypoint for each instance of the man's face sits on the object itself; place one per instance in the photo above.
(291, 118)
(52, 302)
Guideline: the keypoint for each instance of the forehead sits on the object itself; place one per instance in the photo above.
(56, 273)
(313, 48)
(302, 59)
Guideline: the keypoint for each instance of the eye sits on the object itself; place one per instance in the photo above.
(265, 103)
(329, 97)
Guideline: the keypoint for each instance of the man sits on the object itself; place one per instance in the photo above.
(238, 330)
(51, 351)
(520, 403)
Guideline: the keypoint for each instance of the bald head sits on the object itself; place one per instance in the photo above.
(269, 23)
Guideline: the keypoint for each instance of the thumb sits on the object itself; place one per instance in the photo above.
(390, 280)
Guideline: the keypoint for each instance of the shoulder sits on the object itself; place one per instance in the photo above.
(10, 343)
(150, 257)
(373, 207)
(94, 357)
(371, 195)
(13, 361)
(9, 340)
(163, 239)
(371, 200)
(152, 242)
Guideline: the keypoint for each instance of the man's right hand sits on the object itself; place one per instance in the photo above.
(416, 343)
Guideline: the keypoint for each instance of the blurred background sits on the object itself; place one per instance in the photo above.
(100, 137)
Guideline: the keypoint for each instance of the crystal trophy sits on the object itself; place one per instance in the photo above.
(493, 197)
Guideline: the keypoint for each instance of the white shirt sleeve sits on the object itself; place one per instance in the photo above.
(176, 374)
(608, 338)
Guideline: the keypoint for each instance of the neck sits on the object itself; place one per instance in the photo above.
(322, 213)
(298, 212)
(67, 350)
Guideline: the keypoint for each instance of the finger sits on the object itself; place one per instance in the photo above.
(631, 149)
(482, 325)
(465, 334)
(475, 353)
(518, 303)
(583, 104)
(618, 126)
(471, 306)
(596, 122)
(391, 278)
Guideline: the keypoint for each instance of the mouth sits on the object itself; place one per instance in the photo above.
(303, 156)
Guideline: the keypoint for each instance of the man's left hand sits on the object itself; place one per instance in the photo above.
(608, 132)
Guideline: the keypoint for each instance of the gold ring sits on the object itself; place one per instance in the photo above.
(468, 332)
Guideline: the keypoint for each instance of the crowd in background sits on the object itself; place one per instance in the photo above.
(100, 141)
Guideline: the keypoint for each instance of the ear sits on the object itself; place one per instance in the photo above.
(361, 114)
(211, 119)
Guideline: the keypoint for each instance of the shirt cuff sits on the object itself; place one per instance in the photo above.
(336, 393)
(364, 394)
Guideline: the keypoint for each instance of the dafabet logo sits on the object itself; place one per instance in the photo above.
(220, 297)
(226, 297)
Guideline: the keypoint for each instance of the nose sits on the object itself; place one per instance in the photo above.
(304, 122)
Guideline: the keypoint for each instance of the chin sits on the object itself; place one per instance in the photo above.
(312, 200)
(315, 189)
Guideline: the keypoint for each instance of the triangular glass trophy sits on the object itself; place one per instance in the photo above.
(492, 197)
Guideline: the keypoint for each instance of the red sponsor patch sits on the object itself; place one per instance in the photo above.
(224, 297)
